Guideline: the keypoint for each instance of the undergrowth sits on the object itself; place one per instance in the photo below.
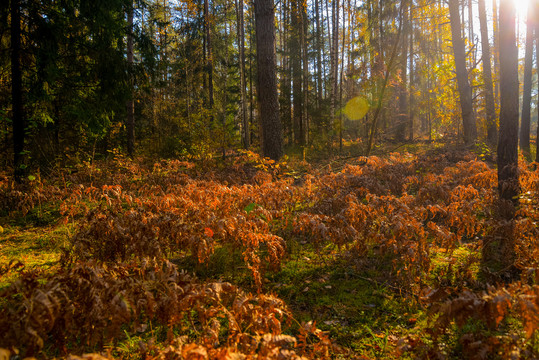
(255, 259)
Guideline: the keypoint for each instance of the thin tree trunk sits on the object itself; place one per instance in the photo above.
(209, 60)
(470, 29)
(286, 78)
(527, 94)
(334, 61)
(372, 130)
(252, 45)
(492, 131)
(403, 93)
(225, 87)
(341, 76)
(246, 139)
(305, 82)
(537, 64)
(268, 101)
(327, 88)
(295, 54)
(465, 91)
(495, 51)
(318, 57)
(16, 90)
(411, 82)
(131, 102)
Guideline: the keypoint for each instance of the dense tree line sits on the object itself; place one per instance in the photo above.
(82, 79)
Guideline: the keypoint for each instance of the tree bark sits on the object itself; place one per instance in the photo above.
(286, 78)
(268, 102)
(495, 52)
(334, 62)
(209, 59)
(492, 131)
(318, 57)
(403, 86)
(16, 91)
(537, 64)
(296, 58)
(527, 94)
(130, 103)
(305, 76)
(465, 91)
(241, 45)
(411, 80)
(508, 184)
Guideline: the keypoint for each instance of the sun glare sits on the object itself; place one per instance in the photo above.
(522, 8)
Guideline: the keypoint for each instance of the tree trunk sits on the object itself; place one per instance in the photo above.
(508, 184)
(241, 45)
(492, 131)
(495, 52)
(268, 103)
(411, 80)
(470, 29)
(286, 78)
(130, 103)
(334, 62)
(209, 59)
(318, 58)
(465, 91)
(537, 64)
(499, 246)
(341, 76)
(16, 90)
(305, 76)
(527, 94)
(402, 119)
(295, 54)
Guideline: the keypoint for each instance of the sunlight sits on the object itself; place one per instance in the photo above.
(522, 8)
(356, 108)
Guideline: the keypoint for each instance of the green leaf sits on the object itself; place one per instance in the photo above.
(250, 207)
(31, 177)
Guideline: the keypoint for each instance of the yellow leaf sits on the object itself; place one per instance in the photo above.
(356, 108)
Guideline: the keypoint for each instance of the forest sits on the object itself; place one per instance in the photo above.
(317, 179)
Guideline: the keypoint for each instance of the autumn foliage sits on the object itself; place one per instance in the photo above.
(408, 216)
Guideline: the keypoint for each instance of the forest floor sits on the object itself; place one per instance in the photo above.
(350, 258)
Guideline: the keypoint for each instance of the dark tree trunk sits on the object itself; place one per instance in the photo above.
(411, 80)
(130, 103)
(498, 253)
(465, 91)
(305, 76)
(268, 103)
(334, 62)
(209, 59)
(241, 45)
(536, 13)
(318, 57)
(508, 184)
(286, 78)
(402, 119)
(527, 94)
(16, 90)
(492, 131)
(495, 52)
(295, 54)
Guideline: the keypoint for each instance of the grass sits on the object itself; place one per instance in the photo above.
(360, 314)
(33, 246)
